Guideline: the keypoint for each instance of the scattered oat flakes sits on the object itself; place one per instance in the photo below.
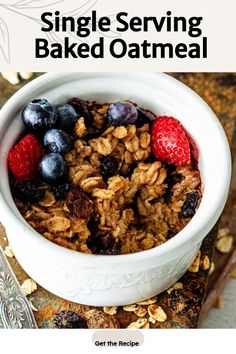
(205, 262)
(157, 313)
(32, 306)
(28, 286)
(219, 303)
(150, 301)
(140, 311)
(224, 244)
(212, 268)
(140, 323)
(177, 285)
(146, 326)
(224, 231)
(13, 76)
(110, 310)
(8, 251)
(130, 308)
(194, 268)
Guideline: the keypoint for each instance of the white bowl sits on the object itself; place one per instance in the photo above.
(117, 280)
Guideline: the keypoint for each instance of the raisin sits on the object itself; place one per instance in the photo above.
(104, 244)
(94, 133)
(190, 204)
(142, 119)
(79, 203)
(69, 319)
(109, 166)
(60, 192)
(28, 192)
(82, 108)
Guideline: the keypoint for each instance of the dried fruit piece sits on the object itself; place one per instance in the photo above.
(109, 166)
(79, 203)
(28, 192)
(98, 319)
(170, 142)
(82, 108)
(69, 319)
(104, 244)
(60, 192)
(190, 204)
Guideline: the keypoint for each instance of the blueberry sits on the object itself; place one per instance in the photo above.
(39, 115)
(67, 117)
(109, 166)
(56, 140)
(122, 113)
(53, 168)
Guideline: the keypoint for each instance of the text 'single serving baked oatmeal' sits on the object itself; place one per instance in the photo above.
(104, 178)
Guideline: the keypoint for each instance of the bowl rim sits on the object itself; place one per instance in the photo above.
(181, 237)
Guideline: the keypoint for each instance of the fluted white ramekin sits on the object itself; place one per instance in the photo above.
(117, 280)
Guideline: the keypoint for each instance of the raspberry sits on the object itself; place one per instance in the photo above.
(79, 203)
(69, 319)
(170, 142)
(24, 158)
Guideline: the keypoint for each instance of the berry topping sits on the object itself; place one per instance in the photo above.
(122, 113)
(69, 319)
(56, 140)
(67, 117)
(60, 192)
(24, 158)
(39, 115)
(104, 244)
(53, 168)
(142, 119)
(28, 192)
(109, 166)
(79, 203)
(170, 142)
(190, 204)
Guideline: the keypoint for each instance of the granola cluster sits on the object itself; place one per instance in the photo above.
(138, 208)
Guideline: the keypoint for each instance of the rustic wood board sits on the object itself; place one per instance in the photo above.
(219, 90)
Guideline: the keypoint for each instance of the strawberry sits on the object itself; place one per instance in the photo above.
(170, 141)
(24, 158)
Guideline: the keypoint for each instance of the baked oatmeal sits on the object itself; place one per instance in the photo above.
(104, 179)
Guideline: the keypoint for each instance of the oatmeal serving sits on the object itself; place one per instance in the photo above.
(104, 179)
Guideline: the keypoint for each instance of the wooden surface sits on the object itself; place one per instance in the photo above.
(219, 90)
